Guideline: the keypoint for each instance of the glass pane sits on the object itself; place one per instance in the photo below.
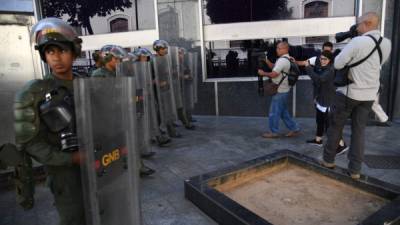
(179, 22)
(99, 17)
(372, 6)
(84, 64)
(242, 58)
(228, 11)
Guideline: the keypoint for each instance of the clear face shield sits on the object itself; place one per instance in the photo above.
(52, 29)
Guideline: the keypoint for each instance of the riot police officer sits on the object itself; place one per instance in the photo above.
(177, 73)
(144, 55)
(162, 70)
(110, 55)
(188, 78)
(96, 55)
(44, 117)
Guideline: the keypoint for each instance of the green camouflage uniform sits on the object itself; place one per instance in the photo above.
(103, 72)
(32, 135)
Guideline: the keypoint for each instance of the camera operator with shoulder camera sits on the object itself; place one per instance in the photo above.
(367, 51)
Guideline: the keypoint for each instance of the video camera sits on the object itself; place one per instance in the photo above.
(341, 36)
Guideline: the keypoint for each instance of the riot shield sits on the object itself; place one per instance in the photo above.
(165, 95)
(144, 98)
(188, 80)
(145, 67)
(195, 76)
(173, 53)
(105, 111)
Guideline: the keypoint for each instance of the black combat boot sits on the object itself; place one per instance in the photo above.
(172, 132)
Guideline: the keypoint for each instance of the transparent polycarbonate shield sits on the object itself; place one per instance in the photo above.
(106, 122)
(176, 70)
(142, 75)
(195, 76)
(165, 94)
(145, 69)
(188, 80)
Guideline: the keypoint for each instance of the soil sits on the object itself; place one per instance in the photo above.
(297, 196)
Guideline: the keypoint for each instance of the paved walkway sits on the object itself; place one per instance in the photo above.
(216, 143)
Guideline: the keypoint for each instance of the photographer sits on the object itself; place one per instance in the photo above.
(278, 108)
(355, 99)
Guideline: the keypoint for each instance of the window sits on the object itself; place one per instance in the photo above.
(228, 11)
(244, 59)
(119, 25)
(169, 23)
(316, 9)
(95, 18)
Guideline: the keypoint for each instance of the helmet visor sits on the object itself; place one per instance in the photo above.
(52, 29)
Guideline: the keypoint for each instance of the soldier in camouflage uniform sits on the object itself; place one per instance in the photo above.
(110, 55)
(42, 131)
(97, 60)
(161, 48)
(162, 139)
(187, 84)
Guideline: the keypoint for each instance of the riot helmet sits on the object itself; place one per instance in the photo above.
(109, 51)
(143, 52)
(54, 31)
(130, 56)
(182, 50)
(159, 44)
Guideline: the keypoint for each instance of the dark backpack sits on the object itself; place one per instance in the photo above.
(294, 72)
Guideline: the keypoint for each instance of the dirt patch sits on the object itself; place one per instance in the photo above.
(297, 196)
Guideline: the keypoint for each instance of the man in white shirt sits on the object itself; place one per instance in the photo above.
(278, 107)
(356, 99)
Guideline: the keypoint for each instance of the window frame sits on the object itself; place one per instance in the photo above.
(117, 17)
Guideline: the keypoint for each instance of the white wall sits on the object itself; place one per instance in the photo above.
(17, 63)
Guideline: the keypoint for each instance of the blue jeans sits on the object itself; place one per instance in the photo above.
(279, 109)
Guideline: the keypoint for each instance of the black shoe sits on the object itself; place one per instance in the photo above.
(165, 143)
(341, 149)
(175, 135)
(148, 155)
(315, 142)
(190, 127)
(384, 124)
(146, 171)
(172, 132)
(163, 140)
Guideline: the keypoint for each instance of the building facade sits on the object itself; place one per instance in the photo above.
(212, 30)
